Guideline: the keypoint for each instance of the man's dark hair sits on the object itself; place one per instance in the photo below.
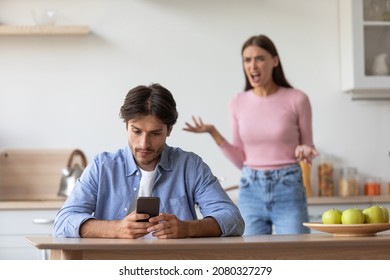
(152, 100)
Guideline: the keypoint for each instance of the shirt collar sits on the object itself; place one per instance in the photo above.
(132, 167)
(165, 162)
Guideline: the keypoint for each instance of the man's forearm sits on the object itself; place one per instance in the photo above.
(207, 227)
(98, 228)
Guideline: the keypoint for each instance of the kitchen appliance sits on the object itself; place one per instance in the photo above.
(72, 172)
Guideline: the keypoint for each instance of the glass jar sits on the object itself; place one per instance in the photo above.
(372, 186)
(325, 176)
(349, 182)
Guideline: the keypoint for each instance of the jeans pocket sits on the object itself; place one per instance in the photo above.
(292, 178)
(244, 182)
(246, 178)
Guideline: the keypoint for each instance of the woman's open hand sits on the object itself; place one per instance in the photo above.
(198, 126)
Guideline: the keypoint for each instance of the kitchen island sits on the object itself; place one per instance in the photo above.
(265, 247)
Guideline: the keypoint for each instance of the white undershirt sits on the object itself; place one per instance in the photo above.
(146, 184)
(145, 189)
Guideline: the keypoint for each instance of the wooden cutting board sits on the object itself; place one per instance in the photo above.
(31, 174)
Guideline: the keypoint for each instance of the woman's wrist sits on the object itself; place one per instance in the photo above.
(218, 138)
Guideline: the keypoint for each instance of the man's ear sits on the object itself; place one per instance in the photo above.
(169, 130)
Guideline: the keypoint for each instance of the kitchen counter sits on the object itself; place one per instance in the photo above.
(371, 199)
(56, 203)
(264, 247)
(31, 204)
(328, 200)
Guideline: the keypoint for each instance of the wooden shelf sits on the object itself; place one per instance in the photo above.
(44, 30)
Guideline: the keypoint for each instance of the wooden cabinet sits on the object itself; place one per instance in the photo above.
(365, 48)
(19, 222)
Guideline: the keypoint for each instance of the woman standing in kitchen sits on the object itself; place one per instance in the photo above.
(272, 132)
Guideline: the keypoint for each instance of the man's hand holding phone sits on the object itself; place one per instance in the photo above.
(161, 226)
(148, 205)
(136, 223)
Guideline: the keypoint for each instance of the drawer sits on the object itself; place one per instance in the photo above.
(26, 222)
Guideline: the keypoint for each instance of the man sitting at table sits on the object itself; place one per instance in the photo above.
(103, 200)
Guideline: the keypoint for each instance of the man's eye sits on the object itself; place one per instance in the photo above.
(136, 131)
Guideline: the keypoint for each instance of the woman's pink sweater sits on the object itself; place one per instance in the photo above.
(267, 130)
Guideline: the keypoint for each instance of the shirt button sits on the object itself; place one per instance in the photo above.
(125, 209)
(137, 173)
(134, 189)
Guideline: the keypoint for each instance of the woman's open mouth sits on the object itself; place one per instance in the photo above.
(255, 76)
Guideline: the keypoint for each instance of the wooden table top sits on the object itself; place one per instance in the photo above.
(246, 241)
(302, 246)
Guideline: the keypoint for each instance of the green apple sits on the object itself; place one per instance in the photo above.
(352, 216)
(374, 214)
(385, 213)
(332, 216)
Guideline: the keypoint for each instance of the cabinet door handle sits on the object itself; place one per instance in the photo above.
(43, 221)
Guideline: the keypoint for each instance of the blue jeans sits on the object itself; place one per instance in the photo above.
(273, 199)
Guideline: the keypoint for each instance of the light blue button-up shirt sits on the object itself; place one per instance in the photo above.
(108, 188)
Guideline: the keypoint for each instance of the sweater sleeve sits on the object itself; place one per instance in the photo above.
(234, 151)
(305, 121)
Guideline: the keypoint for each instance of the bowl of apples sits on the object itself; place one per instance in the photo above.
(353, 221)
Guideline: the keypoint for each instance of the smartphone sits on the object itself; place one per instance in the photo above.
(148, 205)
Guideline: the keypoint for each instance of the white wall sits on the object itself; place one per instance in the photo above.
(66, 91)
